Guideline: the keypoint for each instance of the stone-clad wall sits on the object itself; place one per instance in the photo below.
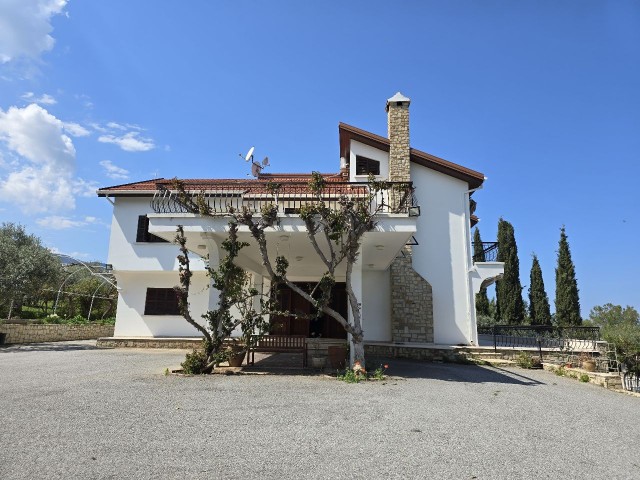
(53, 333)
(399, 149)
(413, 353)
(411, 303)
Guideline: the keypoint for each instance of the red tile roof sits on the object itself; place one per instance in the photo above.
(253, 184)
(347, 133)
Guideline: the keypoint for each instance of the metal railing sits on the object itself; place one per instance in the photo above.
(541, 336)
(631, 381)
(288, 196)
(489, 252)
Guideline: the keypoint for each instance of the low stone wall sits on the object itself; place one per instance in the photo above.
(16, 333)
(150, 342)
(430, 354)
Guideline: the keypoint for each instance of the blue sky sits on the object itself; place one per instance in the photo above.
(540, 96)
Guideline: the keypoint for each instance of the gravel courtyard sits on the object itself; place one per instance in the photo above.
(70, 410)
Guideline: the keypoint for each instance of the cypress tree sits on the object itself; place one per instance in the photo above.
(539, 310)
(509, 304)
(567, 301)
(482, 301)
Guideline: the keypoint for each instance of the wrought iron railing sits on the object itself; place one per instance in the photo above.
(540, 336)
(489, 252)
(288, 196)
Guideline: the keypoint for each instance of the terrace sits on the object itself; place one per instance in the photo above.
(217, 197)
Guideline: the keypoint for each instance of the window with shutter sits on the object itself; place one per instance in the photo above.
(365, 166)
(142, 233)
(161, 301)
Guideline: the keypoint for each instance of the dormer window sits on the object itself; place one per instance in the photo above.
(365, 166)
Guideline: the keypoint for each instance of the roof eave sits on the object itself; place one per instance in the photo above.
(349, 132)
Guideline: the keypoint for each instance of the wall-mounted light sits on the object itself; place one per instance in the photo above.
(379, 247)
(299, 258)
(202, 247)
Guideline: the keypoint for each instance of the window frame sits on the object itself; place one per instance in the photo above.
(368, 164)
(161, 301)
(142, 232)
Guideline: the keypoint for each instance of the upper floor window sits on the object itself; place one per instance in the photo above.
(161, 301)
(143, 235)
(365, 166)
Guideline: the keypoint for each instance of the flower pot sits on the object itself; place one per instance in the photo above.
(337, 356)
(589, 365)
(236, 358)
(317, 362)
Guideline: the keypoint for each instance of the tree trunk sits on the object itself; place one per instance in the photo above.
(357, 347)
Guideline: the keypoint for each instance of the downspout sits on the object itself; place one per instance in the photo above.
(473, 331)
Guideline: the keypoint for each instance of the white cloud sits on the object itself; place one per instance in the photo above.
(44, 99)
(113, 171)
(42, 177)
(130, 142)
(36, 135)
(25, 27)
(56, 222)
(116, 126)
(76, 129)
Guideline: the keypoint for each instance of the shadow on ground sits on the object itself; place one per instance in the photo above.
(46, 347)
(291, 364)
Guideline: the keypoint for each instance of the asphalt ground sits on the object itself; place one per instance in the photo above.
(70, 410)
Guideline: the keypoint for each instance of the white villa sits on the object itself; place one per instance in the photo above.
(415, 276)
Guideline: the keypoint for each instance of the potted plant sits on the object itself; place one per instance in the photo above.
(236, 353)
(587, 363)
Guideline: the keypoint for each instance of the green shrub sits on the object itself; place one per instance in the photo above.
(584, 378)
(53, 318)
(194, 363)
(107, 321)
(349, 376)
(525, 360)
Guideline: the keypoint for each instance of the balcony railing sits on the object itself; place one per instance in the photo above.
(489, 252)
(575, 338)
(288, 196)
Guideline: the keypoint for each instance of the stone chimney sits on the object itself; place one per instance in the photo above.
(398, 129)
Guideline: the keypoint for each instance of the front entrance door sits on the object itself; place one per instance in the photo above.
(304, 320)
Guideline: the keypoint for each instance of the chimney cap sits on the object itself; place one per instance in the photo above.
(398, 98)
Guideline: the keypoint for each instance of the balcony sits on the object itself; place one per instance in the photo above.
(218, 197)
(489, 252)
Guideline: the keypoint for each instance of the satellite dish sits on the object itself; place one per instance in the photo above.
(255, 169)
(265, 162)
(249, 155)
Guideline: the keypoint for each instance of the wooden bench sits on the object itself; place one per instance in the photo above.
(280, 344)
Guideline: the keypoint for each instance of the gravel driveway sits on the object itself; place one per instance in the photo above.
(70, 410)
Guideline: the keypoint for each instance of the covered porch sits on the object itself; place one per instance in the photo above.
(289, 238)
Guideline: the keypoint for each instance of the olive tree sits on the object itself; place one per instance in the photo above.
(26, 266)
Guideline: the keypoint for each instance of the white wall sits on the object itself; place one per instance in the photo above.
(376, 305)
(381, 156)
(442, 254)
(131, 321)
(125, 254)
